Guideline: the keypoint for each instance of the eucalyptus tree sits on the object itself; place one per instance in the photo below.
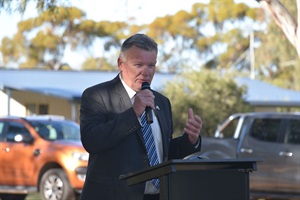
(276, 58)
(287, 21)
(10, 6)
(212, 34)
(41, 41)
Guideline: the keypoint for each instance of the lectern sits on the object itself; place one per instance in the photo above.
(225, 179)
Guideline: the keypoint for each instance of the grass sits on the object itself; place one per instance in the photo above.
(34, 196)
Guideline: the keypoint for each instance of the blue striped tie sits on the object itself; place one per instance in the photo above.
(150, 146)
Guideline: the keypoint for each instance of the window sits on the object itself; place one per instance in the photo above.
(16, 129)
(43, 109)
(39, 109)
(229, 130)
(30, 109)
(266, 129)
(294, 132)
(57, 130)
(1, 131)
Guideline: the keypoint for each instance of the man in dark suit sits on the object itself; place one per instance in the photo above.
(111, 129)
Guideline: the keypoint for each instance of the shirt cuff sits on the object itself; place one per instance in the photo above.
(197, 143)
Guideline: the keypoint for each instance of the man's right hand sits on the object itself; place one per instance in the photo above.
(143, 99)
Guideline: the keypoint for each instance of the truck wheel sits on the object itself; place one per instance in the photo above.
(55, 185)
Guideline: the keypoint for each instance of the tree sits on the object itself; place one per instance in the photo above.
(41, 41)
(285, 20)
(41, 5)
(211, 96)
(212, 34)
(46, 48)
(276, 59)
(98, 64)
(186, 41)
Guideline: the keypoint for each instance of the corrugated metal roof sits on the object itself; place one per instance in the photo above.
(63, 84)
(265, 94)
(70, 85)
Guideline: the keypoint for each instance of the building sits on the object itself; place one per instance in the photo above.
(28, 92)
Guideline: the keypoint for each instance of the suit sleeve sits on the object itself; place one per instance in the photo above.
(181, 147)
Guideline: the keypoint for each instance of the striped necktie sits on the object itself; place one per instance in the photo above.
(150, 145)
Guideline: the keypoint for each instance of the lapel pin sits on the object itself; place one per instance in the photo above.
(157, 107)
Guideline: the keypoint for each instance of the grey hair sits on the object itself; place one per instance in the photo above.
(141, 41)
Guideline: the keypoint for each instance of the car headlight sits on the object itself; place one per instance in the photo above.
(80, 156)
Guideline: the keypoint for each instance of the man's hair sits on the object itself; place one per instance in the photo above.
(141, 41)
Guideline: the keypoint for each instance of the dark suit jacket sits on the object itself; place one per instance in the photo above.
(111, 133)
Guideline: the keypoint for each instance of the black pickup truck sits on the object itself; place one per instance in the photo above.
(272, 138)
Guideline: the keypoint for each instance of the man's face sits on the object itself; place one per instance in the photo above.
(137, 66)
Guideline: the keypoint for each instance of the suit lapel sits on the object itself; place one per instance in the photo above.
(122, 98)
(124, 102)
(161, 121)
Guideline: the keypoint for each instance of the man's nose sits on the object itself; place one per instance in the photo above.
(147, 69)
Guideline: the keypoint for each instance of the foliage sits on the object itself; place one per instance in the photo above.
(210, 95)
(46, 48)
(98, 64)
(211, 33)
(276, 59)
(41, 42)
(21, 6)
(285, 20)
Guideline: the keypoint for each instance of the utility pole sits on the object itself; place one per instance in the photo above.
(252, 56)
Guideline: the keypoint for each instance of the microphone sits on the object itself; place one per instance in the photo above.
(148, 110)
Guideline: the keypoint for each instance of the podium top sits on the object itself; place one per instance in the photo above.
(172, 166)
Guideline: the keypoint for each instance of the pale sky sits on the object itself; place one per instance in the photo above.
(143, 11)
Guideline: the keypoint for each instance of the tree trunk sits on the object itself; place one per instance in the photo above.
(284, 20)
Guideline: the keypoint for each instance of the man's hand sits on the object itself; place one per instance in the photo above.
(143, 98)
(193, 126)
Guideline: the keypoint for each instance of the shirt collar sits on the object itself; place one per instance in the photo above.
(129, 91)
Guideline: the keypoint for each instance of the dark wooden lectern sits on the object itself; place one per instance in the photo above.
(226, 179)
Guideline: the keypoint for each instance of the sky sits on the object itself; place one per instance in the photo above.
(143, 11)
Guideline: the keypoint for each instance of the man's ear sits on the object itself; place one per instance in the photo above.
(120, 63)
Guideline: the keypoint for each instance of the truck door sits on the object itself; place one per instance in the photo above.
(2, 150)
(263, 141)
(15, 163)
(290, 154)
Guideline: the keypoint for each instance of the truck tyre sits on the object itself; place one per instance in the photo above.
(55, 185)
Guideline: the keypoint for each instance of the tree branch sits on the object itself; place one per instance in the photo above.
(284, 20)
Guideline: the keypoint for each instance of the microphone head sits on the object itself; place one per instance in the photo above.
(145, 85)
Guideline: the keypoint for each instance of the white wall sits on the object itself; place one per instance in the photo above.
(16, 109)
